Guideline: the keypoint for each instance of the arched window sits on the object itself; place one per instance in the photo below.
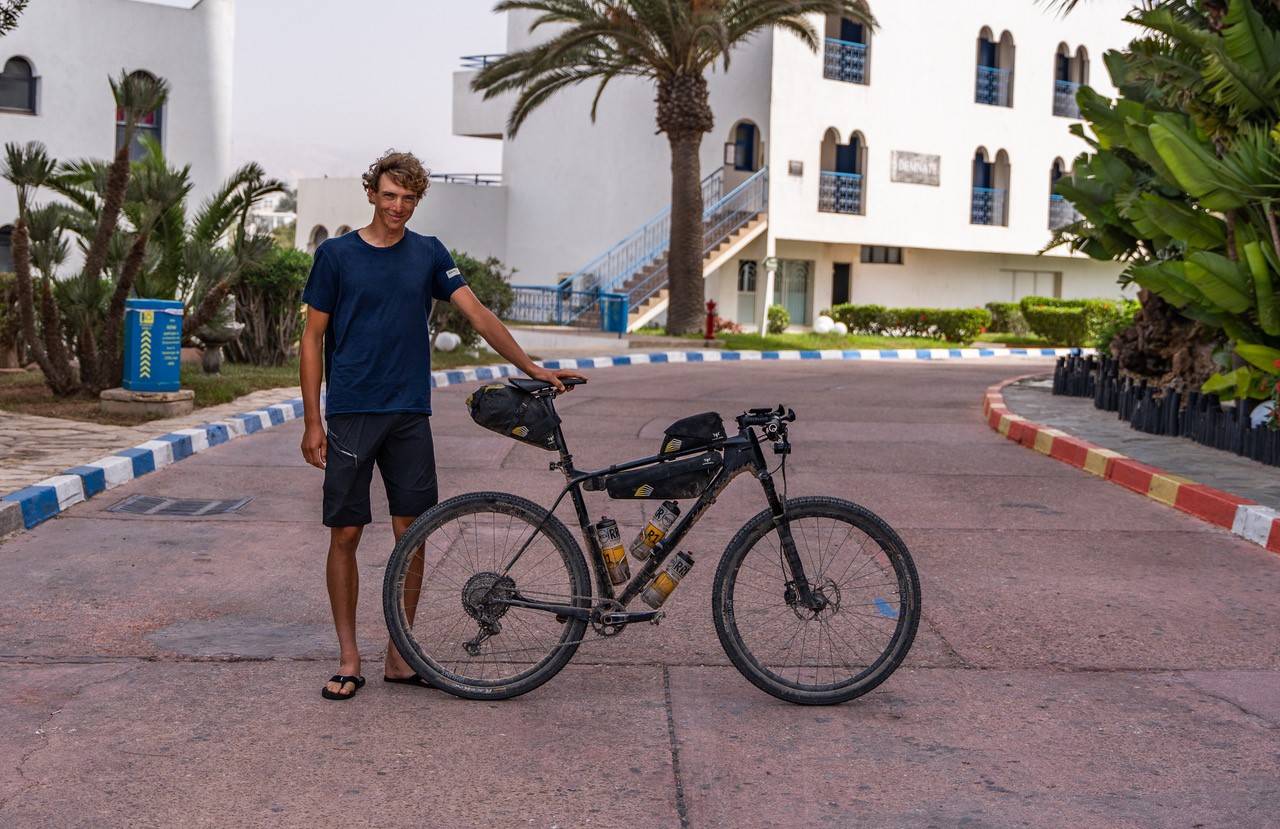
(342, 230)
(840, 187)
(148, 126)
(990, 202)
(1070, 72)
(995, 58)
(18, 86)
(318, 234)
(1061, 211)
(6, 249)
(846, 51)
(742, 150)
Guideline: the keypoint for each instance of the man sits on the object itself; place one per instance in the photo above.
(368, 302)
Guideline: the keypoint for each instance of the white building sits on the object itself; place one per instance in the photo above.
(911, 165)
(54, 71)
(267, 216)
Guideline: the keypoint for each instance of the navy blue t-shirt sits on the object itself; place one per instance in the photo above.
(377, 354)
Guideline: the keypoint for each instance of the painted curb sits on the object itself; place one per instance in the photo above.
(35, 504)
(1241, 516)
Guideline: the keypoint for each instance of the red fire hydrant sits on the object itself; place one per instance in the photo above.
(710, 332)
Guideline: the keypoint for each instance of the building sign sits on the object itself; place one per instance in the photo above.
(915, 168)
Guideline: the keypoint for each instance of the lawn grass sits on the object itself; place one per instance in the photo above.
(26, 393)
(998, 338)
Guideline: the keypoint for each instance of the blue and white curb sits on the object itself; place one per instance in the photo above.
(41, 501)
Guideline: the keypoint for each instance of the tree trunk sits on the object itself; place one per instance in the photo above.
(684, 114)
(57, 375)
(1166, 347)
(112, 201)
(684, 256)
(111, 360)
(208, 307)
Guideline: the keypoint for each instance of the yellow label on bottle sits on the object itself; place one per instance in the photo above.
(664, 584)
(653, 534)
(614, 554)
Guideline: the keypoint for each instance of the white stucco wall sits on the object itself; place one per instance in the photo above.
(466, 217)
(921, 99)
(76, 45)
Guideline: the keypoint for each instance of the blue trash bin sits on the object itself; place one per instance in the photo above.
(152, 344)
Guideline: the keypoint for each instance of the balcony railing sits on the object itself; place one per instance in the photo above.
(988, 206)
(845, 61)
(491, 179)
(1061, 212)
(479, 61)
(1064, 99)
(549, 305)
(994, 86)
(840, 192)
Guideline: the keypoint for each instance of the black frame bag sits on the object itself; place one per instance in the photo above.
(516, 414)
(677, 479)
(691, 432)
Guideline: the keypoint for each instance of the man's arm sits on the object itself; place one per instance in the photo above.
(496, 335)
(311, 368)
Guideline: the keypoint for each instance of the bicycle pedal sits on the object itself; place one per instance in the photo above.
(657, 618)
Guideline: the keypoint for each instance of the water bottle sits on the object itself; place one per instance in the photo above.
(615, 556)
(655, 531)
(660, 588)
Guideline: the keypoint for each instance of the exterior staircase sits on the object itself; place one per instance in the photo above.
(626, 286)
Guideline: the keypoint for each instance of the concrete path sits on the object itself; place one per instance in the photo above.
(1088, 656)
(33, 448)
(1034, 400)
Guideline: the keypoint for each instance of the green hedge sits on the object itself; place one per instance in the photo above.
(779, 319)
(958, 325)
(1007, 317)
(1089, 321)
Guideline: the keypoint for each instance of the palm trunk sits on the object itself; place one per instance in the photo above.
(55, 344)
(56, 374)
(208, 307)
(684, 256)
(111, 361)
(112, 201)
(684, 114)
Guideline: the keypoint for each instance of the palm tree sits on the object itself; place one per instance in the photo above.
(28, 167)
(672, 43)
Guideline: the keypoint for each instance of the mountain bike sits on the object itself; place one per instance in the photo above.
(815, 600)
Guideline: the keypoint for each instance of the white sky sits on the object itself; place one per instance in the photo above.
(323, 89)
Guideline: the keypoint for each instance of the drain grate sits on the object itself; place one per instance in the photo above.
(186, 507)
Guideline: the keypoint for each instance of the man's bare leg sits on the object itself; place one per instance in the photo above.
(344, 589)
(395, 666)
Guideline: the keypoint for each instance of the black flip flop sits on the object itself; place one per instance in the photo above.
(358, 681)
(417, 680)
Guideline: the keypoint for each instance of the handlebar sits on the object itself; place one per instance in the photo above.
(766, 416)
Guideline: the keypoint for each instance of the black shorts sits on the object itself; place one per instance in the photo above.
(400, 444)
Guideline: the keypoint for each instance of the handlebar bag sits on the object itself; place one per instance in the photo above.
(516, 414)
(692, 431)
(677, 479)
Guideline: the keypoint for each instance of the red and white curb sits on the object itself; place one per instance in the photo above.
(1242, 517)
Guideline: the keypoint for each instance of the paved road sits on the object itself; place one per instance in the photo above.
(1088, 657)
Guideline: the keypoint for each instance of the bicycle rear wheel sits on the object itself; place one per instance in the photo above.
(852, 559)
(462, 638)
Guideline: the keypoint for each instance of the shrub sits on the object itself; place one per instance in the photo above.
(491, 282)
(1059, 325)
(959, 325)
(1007, 318)
(1099, 318)
(10, 324)
(269, 303)
(779, 319)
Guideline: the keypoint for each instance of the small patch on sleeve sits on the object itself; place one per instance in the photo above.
(452, 272)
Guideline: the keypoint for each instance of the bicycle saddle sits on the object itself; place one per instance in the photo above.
(531, 386)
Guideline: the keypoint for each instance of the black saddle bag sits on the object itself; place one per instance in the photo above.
(515, 413)
(678, 479)
(692, 432)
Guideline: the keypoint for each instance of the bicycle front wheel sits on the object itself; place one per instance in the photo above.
(861, 570)
(446, 581)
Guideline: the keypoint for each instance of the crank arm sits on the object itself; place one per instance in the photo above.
(624, 617)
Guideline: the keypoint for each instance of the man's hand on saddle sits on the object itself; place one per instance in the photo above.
(556, 378)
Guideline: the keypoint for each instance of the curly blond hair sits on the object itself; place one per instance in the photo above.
(404, 168)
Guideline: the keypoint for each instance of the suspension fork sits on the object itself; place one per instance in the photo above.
(782, 521)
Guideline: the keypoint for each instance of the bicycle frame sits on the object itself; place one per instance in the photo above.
(742, 452)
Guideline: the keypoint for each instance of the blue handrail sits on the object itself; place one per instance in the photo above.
(639, 248)
(480, 61)
(993, 86)
(1064, 99)
(551, 305)
(839, 192)
(988, 207)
